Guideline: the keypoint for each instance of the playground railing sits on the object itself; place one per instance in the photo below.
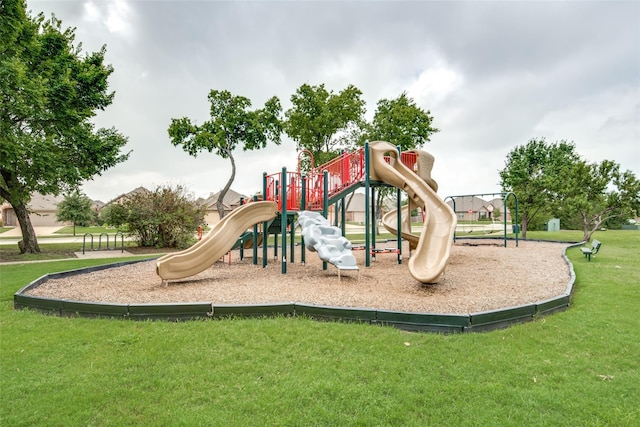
(342, 172)
(294, 189)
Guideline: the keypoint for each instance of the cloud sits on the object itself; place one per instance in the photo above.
(115, 15)
(493, 75)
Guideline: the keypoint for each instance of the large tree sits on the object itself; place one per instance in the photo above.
(593, 193)
(319, 119)
(232, 125)
(535, 173)
(49, 92)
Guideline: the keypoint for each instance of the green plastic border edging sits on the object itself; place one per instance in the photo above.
(422, 322)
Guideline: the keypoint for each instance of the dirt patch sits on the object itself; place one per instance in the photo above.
(477, 278)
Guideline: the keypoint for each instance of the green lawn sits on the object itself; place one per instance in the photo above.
(576, 368)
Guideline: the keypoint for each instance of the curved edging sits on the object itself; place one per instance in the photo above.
(423, 322)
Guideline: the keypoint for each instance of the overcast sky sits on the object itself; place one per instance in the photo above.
(493, 74)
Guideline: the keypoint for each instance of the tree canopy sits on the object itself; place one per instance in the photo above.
(318, 119)
(401, 122)
(49, 92)
(552, 179)
(534, 173)
(595, 193)
(232, 125)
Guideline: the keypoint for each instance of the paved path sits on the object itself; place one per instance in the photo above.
(47, 235)
(40, 231)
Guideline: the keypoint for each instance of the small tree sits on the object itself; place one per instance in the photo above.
(114, 215)
(166, 217)
(232, 125)
(75, 207)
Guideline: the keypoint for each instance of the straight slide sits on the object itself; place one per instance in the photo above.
(434, 244)
(216, 243)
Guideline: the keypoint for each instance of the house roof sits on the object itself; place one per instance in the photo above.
(124, 196)
(41, 202)
(45, 203)
(231, 199)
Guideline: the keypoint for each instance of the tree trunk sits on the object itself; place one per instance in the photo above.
(525, 225)
(586, 231)
(223, 192)
(29, 241)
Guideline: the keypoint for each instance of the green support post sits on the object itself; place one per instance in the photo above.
(255, 239)
(399, 223)
(373, 221)
(399, 216)
(303, 207)
(265, 225)
(325, 202)
(283, 223)
(367, 187)
(343, 216)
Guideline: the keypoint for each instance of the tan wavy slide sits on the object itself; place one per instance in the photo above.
(216, 243)
(434, 244)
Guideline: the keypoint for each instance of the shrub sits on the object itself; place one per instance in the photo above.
(114, 214)
(166, 217)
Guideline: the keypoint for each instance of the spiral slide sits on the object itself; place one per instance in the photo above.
(390, 222)
(216, 243)
(434, 244)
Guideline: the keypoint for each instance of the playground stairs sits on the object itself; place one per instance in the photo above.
(275, 227)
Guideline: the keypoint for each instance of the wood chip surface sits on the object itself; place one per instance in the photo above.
(480, 276)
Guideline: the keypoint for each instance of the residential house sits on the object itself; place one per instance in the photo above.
(123, 197)
(355, 205)
(473, 208)
(42, 212)
(230, 202)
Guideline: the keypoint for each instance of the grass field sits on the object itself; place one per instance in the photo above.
(575, 368)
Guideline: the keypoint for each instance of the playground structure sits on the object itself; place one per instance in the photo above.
(327, 240)
(216, 243)
(286, 194)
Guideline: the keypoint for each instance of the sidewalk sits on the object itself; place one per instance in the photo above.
(11, 237)
(44, 234)
(40, 231)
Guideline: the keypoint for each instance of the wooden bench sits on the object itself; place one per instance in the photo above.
(595, 247)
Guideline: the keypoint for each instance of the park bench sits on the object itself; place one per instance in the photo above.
(595, 247)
